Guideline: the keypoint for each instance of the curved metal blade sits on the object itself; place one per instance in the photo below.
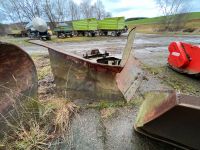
(18, 77)
(76, 77)
(172, 118)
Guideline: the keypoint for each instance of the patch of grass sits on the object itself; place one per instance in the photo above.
(77, 39)
(42, 64)
(16, 41)
(145, 21)
(155, 20)
(153, 70)
(104, 104)
(180, 82)
(107, 112)
(152, 25)
(31, 129)
(43, 72)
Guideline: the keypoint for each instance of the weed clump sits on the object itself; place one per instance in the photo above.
(38, 127)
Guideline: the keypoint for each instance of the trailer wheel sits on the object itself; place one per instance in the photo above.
(87, 34)
(113, 33)
(100, 33)
(105, 33)
(93, 34)
(118, 33)
(48, 38)
(65, 35)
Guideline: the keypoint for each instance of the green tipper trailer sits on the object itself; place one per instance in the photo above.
(85, 27)
(64, 30)
(114, 25)
(90, 27)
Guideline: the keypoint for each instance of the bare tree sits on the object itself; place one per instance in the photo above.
(74, 10)
(55, 11)
(52, 10)
(85, 8)
(99, 10)
(23, 10)
(175, 13)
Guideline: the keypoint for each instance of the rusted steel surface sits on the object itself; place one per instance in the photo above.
(130, 78)
(173, 119)
(77, 77)
(83, 79)
(18, 78)
(128, 48)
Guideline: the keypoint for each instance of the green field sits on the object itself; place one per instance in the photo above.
(192, 16)
(153, 25)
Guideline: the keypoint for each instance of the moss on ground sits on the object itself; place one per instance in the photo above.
(115, 104)
(180, 82)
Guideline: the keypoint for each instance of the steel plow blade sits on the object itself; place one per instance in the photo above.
(18, 77)
(77, 77)
(172, 118)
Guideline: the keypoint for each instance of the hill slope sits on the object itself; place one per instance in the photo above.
(193, 21)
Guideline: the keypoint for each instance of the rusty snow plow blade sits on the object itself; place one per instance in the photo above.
(18, 78)
(95, 75)
(172, 118)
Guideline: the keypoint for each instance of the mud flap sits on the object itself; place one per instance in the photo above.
(172, 118)
(18, 77)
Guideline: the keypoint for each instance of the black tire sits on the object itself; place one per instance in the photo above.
(58, 34)
(113, 33)
(93, 34)
(105, 33)
(119, 33)
(100, 33)
(48, 38)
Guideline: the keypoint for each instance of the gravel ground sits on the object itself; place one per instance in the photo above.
(88, 129)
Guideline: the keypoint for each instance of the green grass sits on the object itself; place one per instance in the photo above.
(115, 104)
(77, 39)
(16, 41)
(144, 21)
(192, 16)
(179, 82)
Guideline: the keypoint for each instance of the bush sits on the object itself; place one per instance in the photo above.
(189, 30)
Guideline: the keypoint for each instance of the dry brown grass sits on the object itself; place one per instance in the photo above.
(107, 112)
(38, 130)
